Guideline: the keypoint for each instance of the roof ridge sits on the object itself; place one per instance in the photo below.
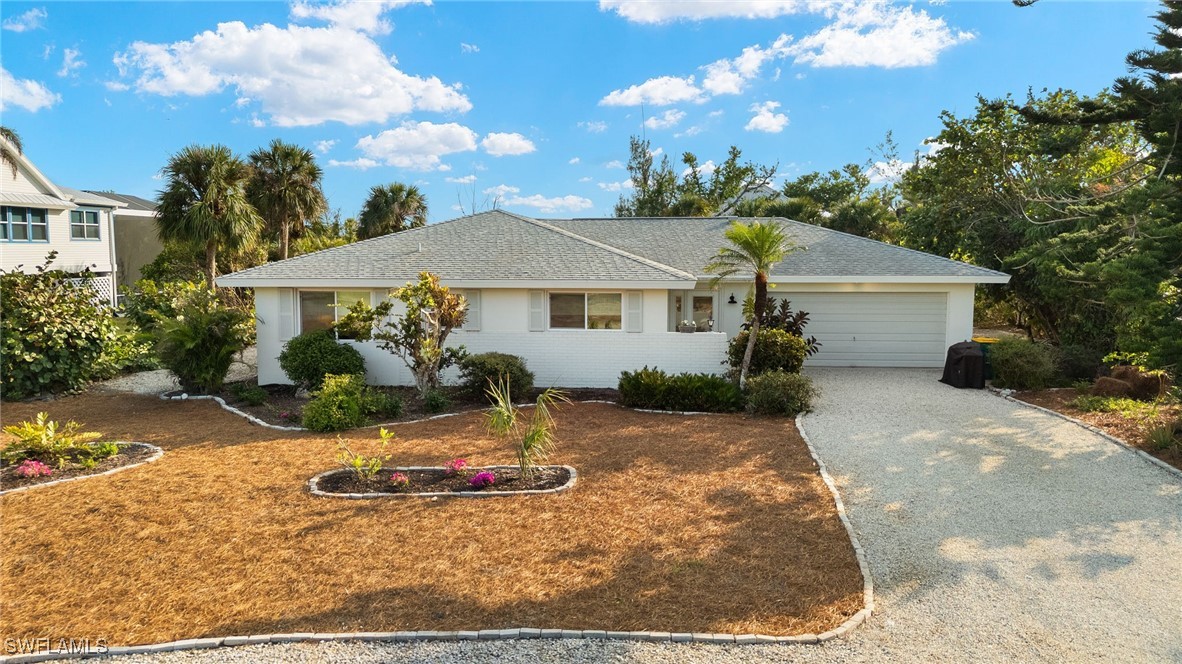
(885, 244)
(616, 250)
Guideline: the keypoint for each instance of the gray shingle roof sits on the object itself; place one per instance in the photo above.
(132, 202)
(501, 246)
(489, 246)
(87, 198)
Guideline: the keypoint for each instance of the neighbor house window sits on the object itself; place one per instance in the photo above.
(586, 311)
(320, 310)
(24, 224)
(84, 224)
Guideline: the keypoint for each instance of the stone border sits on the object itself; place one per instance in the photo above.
(314, 489)
(525, 633)
(1007, 395)
(155, 456)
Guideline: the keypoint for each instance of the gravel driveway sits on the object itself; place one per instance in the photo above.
(995, 533)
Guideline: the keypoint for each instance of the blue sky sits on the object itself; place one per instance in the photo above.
(531, 102)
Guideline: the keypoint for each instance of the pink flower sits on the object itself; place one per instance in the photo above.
(455, 467)
(399, 480)
(482, 479)
(33, 468)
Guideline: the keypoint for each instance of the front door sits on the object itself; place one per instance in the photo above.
(702, 309)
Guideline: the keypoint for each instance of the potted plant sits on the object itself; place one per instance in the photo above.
(687, 326)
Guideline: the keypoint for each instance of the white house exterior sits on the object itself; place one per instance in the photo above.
(38, 216)
(584, 299)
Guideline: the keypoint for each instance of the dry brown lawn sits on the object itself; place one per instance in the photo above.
(696, 524)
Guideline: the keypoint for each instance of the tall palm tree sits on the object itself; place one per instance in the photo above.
(391, 208)
(13, 139)
(286, 188)
(754, 247)
(204, 202)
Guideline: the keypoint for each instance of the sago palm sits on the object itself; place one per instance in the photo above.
(391, 208)
(12, 142)
(755, 247)
(204, 202)
(285, 188)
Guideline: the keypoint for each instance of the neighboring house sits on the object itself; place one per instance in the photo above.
(583, 299)
(762, 191)
(38, 216)
(136, 240)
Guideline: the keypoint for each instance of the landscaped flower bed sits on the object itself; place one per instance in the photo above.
(438, 482)
(11, 476)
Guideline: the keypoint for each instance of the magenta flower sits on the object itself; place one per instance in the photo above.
(33, 468)
(399, 480)
(482, 479)
(455, 467)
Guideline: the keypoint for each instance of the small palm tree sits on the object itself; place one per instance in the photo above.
(754, 247)
(12, 139)
(286, 188)
(391, 208)
(204, 202)
(533, 440)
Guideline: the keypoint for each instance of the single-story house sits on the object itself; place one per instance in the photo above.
(584, 299)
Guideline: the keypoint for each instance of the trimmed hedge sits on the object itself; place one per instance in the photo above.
(311, 356)
(656, 390)
(478, 371)
(1022, 364)
(780, 393)
(775, 349)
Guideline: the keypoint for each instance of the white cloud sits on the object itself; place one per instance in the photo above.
(646, 11)
(716, 114)
(360, 164)
(883, 171)
(324, 146)
(703, 169)
(730, 77)
(660, 91)
(116, 86)
(508, 196)
(469, 48)
(594, 126)
(586, 178)
(360, 16)
(666, 120)
(24, 93)
(615, 163)
(877, 34)
(501, 190)
(30, 20)
(616, 186)
(766, 119)
(417, 146)
(299, 75)
(499, 145)
(71, 62)
(573, 161)
(467, 179)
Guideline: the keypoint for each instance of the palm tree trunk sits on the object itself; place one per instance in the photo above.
(284, 237)
(760, 304)
(211, 263)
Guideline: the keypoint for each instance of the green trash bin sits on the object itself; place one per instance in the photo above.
(986, 343)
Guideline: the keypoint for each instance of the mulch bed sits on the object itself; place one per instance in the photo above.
(437, 481)
(128, 454)
(282, 400)
(1132, 430)
(694, 524)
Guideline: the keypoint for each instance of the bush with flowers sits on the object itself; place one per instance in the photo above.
(484, 478)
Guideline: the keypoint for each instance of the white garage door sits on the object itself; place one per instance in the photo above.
(875, 329)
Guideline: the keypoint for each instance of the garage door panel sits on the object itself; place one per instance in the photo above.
(875, 329)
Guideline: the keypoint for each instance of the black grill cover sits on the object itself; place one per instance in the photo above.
(965, 366)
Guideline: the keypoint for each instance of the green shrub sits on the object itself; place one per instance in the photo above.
(338, 405)
(1123, 405)
(479, 372)
(1166, 437)
(125, 351)
(52, 333)
(654, 389)
(435, 401)
(199, 344)
(311, 356)
(1080, 362)
(381, 404)
(780, 393)
(1022, 364)
(774, 350)
(251, 395)
(55, 444)
(148, 302)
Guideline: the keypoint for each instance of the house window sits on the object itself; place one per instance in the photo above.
(586, 311)
(24, 224)
(320, 310)
(84, 224)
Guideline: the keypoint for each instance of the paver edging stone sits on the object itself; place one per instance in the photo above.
(1007, 395)
(156, 454)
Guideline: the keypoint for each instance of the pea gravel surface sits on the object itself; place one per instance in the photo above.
(995, 533)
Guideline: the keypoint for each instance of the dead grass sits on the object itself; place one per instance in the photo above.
(698, 524)
(1133, 429)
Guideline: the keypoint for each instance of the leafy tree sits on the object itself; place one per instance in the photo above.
(12, 141)
(417, 336)
(325, 232)
(842, 199)
(755, 247)
(391, 208)
(285, 188)
(204, 203)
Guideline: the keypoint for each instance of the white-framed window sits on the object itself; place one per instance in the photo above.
(586, 311)
(18, 224)
(84, 224)
(320, 310)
